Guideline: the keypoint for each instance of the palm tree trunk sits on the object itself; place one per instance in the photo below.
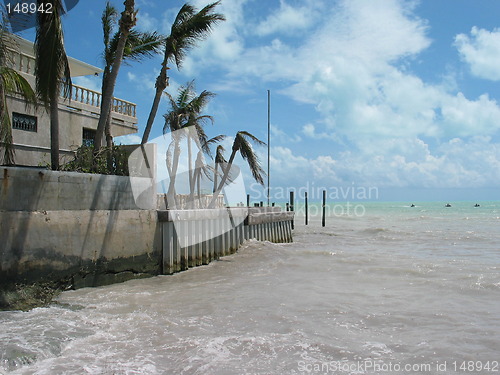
(171, 186)
(109, 137)
(216, 172)
(224, 179)
(161, 84)
(54, 133)
(190, 173)
(198, 183)
(127, 21)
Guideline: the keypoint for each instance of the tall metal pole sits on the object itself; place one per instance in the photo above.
(268, 146)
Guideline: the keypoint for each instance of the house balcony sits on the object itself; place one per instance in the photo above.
(78, 113)
(81, 99)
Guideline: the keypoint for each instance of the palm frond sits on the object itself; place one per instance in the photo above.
(242, 144)
(51, 66)
(142, 45)
(205, 146)
(5, 131)
(188, 28)
(109, 19)
(219, 155)
(139, 45)
(14, 83)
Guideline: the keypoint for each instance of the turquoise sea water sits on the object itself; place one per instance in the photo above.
(391, 290)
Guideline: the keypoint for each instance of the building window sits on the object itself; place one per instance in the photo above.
(88, 137)
(24, 122)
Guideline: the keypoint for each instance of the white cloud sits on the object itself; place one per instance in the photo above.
(397, 163)
(146, 22)
(89, 82)
(277, 134)
(289, 19)
(309, 130)
(481, 50)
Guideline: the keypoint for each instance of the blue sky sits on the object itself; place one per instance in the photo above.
(399, 95)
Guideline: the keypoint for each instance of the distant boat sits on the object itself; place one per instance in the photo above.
(448, 205)
(412, 205)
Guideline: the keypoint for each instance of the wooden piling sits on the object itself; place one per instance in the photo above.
(307, 210)
(324, 209)
(292, 202)
(168, 251)
(184, 250)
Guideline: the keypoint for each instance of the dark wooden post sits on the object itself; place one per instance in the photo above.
(291, 207)
(324, 208)
(248, 200)
(307, 213)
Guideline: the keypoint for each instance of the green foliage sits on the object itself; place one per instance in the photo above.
(108, 160)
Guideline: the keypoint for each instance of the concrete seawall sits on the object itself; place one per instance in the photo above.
(75, 230)
(195, 237)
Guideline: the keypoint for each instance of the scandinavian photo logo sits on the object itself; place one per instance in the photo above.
(171, 172)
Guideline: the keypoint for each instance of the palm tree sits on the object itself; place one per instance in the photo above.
(127, 22)
(219, 161)
(242, 145)
(51, 69)
(139, 45)
(189, 26)
(185, 120)
(201, 168)
(11, 82)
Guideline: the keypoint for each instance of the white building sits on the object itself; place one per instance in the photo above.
(78, 115)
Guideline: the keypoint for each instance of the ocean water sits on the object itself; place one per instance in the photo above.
(383, 290)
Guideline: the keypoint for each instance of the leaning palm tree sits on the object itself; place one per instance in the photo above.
(189, 27)
(11, 82)
(139, 45)
(185, 121)
(220, 161)
(242, 145)
(51, 69)
(127, 22)
(200, 168)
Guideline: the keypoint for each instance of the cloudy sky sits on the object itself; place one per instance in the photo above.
(394, 94)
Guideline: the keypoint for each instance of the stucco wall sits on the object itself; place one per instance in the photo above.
(76, 229)
(34, 189)
(33, 148)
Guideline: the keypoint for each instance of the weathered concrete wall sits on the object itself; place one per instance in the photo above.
(32, 189)
(74, 229)
(83, 247)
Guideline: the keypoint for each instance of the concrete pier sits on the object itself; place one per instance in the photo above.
(206, 235)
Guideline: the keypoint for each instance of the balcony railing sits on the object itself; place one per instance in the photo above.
(26, 64)
(93, 98)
